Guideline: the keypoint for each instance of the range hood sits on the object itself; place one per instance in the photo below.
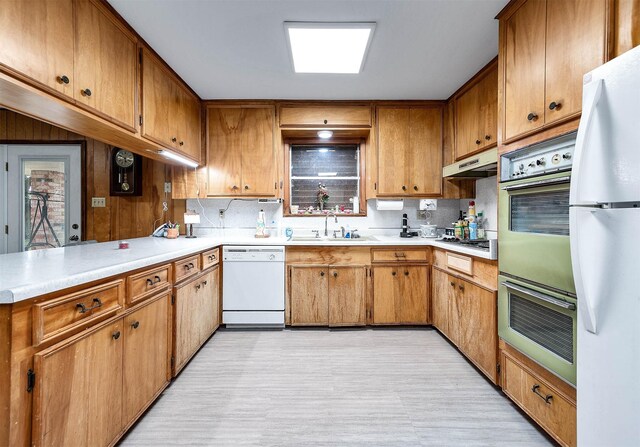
(484, 164)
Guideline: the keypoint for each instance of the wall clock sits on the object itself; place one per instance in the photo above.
(126, 173)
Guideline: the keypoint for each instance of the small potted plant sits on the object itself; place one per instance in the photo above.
(322, 196)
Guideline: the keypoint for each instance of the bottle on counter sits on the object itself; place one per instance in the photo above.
(472, 208)
(473, 230)
(261, 225)
(479, 220)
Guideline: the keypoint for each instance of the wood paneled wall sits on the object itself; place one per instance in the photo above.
(123, 217)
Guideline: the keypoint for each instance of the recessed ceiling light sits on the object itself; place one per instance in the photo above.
(318, 47)
(325, 135)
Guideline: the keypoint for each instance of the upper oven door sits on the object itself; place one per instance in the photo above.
(534, 230)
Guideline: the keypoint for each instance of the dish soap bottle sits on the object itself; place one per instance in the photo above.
(261, 225)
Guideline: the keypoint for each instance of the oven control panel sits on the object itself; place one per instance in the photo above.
(542, 158)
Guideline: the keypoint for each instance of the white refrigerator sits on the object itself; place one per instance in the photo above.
(605, 254)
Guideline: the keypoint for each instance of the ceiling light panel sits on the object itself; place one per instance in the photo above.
(339, 48)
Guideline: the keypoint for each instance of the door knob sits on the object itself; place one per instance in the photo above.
(532, 116)
(555, 105)
(135, 324)
(63, 79)
(86, 92)
(478, 141)
(335, 274)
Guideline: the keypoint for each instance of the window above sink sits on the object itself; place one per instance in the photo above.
(323, 178)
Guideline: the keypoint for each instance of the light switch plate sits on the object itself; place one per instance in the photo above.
(167, 186)
(98, 202)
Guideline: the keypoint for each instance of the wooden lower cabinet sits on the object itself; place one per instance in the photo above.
(467, 314)
(401, 294)
(328, 295)
(547, 399)
(196, 315)
(146, 355)
(309, 289)
(78, 390)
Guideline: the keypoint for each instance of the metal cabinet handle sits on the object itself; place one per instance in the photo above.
(157, 279)
(547, 398)
(115, 335)
(326, 122)
(63, 79)
(234, 187)
(478, 141)
(400, 255)
(149, 282)
(181, 143)
(212, 257)
(246, 187)
(453, 284)
(204, 283)
(404, 188)
(461, 287)
(84, 309)
(174, 139)
(555, 106)
(406, 273)
(135, 324)
(335, 274)
(198, 286)
(532, 116)
(393, 273)
(415, 187)
(321, 273)
(86, 92)
(487, 137)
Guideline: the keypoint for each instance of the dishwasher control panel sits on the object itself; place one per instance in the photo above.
(244, 253)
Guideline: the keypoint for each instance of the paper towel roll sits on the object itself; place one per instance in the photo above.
(389, 205)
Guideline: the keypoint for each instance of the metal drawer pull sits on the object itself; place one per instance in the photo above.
(115, 335)
(335, 274)
(204, 283)
(198, 286)
(189, 266)
(547, 398)
(461, 287)
(541, 296)
(453, 284)
(400, 255)
(406, 273)
(212, 257)
(135, 324)
(156, 279)
(555, 181)
(84, 309)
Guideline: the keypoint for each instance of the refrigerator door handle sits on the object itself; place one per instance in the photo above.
(585, 306)
(591, 95)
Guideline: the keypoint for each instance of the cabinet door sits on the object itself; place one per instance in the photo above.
(146, 350)
(78, 390)
(37, 41)
(210, 310)
(425, 151)
(525, 68)
(478, 326)
(189, 124)
(413, 307)
(225, 140)
(160, 102)
(309, 293)
(575, 37)
(440, 300)
(455, 310)
(258, 155)
(488, 92)
(105, 64)
(186, 322)
(387, 290)
(393, 148)
(467, 122)
(347, 296)
(323, 115)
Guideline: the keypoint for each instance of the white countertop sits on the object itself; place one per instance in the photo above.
(29, 274)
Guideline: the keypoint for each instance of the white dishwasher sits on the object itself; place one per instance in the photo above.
(253, 286)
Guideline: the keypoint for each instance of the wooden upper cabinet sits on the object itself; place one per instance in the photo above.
(476, 110)
(105, 64)
(37, 41)
(240, 151)
(171, 114)
(546, 47)
(524, 59)
(409, 151)
(425, 151)
(325, 116)
(575, 37)
(393, 144)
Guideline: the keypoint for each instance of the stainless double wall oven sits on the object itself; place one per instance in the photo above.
(536, 298)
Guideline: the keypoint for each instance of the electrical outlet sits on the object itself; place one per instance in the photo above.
(422, 214)
(98, 202)
(221, 213)
(167, 186)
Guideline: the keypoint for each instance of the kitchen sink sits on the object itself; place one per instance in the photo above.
(331, 239)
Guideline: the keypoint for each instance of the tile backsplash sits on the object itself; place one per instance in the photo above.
(243, 214)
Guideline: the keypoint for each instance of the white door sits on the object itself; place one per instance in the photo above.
(43, 196)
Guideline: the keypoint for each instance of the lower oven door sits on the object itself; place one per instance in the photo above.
(539, 323)
(534, 230)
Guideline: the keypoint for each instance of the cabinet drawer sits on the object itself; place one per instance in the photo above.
(62, 315)
(331, 116)
(186, 268)
(543, 402)
(460, 263)
(143, 285)
(400, 255)
(210, 258)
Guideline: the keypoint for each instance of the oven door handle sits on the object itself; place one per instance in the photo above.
(539, 183)
(541, 296)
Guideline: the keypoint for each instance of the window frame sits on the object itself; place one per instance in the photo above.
(360, 142)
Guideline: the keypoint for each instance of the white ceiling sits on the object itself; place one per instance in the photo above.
(236, 49)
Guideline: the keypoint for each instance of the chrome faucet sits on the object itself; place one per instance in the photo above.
(326, 217)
